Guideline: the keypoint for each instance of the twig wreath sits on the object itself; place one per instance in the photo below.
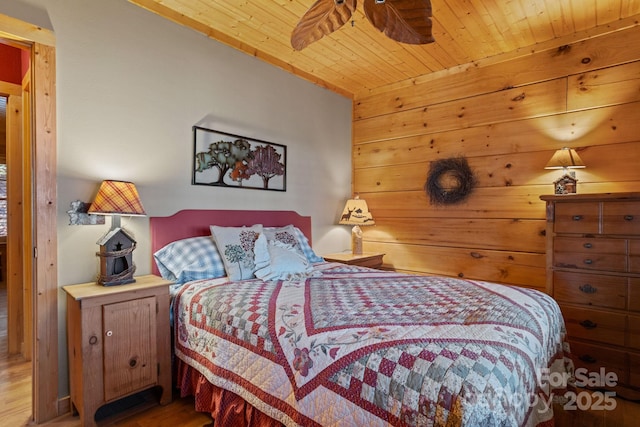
(449, 181)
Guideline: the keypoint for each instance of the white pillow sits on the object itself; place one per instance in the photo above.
(294, 236)
(236, 247)
(278, 261)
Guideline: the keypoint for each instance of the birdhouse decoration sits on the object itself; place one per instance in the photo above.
(565, 185)
(116, 258)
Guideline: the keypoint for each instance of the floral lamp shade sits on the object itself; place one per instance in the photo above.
(356, 213)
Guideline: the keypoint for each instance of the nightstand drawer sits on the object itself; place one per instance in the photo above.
(590, 289)
(595, 325)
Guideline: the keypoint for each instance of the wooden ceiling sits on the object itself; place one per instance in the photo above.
(357, 59)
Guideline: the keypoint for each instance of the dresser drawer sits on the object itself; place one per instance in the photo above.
(590, 253)
(590, 289)
(594, 261)
(634, 256)
(595, 325)
(634, 294)
(634, 374)
(634, 332)
(587, 245)
(595, 357)
(621, 218)
(576, 218)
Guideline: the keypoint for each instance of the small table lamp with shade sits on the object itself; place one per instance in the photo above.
(565, 159)
(356, 213)
(116, 198)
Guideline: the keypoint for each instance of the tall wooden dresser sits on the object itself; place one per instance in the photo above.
(593, 271)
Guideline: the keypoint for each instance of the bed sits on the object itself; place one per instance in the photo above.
(328, 344)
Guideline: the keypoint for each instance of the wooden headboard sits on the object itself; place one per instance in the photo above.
(193, 222)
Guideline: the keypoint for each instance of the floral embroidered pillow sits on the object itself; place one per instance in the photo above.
(236, 246)
(291, 235)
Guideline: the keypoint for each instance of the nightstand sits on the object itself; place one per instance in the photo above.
(119, 342)
(367, 259)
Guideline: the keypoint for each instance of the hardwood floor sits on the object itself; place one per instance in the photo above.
(15, 402)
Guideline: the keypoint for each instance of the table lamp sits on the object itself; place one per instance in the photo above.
(116, 198)
(565, 159)
(356, 213)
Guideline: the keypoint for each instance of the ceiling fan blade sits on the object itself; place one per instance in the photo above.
(324, 17)
(406, 21)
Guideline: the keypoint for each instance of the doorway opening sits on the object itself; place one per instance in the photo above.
(31, 117)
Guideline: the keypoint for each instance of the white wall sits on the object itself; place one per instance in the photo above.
(130, 85)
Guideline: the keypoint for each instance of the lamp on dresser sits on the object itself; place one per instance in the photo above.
(116, 198)
(356, 213)
(565, 159)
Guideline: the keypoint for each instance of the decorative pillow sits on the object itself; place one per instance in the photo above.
(280, 261)
(189, 259)
(292, 235)
(236, 246)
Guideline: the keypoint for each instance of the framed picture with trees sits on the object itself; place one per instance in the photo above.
(226, 160)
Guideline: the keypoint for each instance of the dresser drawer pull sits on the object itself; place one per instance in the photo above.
(628, 217)
(588, 324)
(577, 217)
(587, 289)
(588, 359)
(588, 261)
(588, 245)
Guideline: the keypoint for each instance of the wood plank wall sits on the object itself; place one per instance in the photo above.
(507, 119)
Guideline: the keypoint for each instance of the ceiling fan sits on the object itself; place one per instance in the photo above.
(406, 21)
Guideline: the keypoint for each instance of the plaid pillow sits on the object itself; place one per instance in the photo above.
(293, 236)
(189, 259)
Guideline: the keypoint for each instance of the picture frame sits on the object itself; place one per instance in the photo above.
(222, 159)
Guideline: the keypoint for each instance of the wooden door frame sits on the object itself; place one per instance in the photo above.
(43, 262)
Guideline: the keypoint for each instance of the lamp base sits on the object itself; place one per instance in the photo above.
(356, 240)
(566, 184)
(116, 282)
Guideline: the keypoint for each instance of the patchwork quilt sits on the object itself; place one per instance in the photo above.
(355, 346)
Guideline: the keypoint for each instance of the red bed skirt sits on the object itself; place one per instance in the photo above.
(226, 408)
